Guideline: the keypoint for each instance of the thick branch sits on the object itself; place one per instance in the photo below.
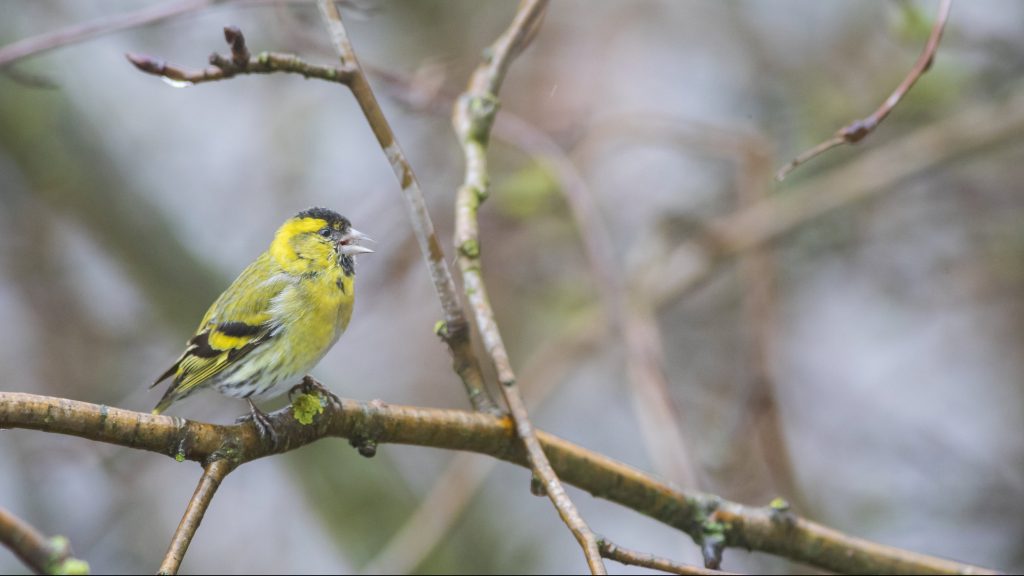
(213, 474)
(473, 117)
(859, 129)
(766, 529)
(43, 555)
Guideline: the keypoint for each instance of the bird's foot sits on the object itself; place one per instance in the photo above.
(264, 426)
(309, 385)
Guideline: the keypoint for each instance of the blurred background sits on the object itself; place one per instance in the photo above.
(867, 368)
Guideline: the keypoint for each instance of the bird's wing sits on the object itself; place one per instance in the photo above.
(239, 321)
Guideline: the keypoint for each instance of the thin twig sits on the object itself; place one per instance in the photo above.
(41, 554)
(455, 330)
(223, 68)
(472, 118)
(622, 555)
(859, 129)
(213, 474)
(766, 529)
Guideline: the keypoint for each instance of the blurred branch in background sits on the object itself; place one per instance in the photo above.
(52, 144)
(43, 555)
(878, 171)
(465, 475)
(473, 117)
(758, 272)
(772, 529)
(84, 31)
(859, 129)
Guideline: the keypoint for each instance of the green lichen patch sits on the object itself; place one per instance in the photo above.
(305, 407)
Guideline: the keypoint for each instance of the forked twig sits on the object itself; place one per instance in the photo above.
(859, 129)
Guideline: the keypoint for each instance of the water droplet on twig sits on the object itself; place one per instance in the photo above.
(176, 83)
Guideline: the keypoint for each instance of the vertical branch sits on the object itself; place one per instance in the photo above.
(472, 118)
(758, 273)
(213, 475)
(455, 331)
(43, 555)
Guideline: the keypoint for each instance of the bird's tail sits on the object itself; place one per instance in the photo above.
(169, 396)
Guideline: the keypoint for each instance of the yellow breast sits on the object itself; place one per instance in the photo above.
(314, 312)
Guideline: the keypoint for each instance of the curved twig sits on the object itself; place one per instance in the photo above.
(859, 129)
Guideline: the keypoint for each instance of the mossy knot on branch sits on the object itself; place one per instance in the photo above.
(307, 406)
(479, 111)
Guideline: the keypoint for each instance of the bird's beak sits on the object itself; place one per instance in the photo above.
(348, 243)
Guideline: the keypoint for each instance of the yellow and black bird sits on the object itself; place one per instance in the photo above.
(277, 319)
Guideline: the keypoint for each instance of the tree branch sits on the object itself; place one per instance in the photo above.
(43, 555)
(455, 331)
(213, 474)
(774, 530)
(472, 117)
(222, 68)
(859, 129)
(632, 558)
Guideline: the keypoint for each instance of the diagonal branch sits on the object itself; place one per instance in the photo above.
(770, 529)
(859, 129)
(43, 555)
(455, 330)
(213, 474)
(472, 118)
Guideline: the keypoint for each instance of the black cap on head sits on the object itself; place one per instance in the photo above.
(333, 219)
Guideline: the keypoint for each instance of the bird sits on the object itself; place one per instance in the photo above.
(277, 320)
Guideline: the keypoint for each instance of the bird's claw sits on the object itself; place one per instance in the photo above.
(309, 385)
(264, 426)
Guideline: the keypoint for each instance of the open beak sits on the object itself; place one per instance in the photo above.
(349, 243)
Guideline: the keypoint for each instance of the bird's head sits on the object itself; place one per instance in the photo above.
(317, 239)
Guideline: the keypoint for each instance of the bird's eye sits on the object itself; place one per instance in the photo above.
(325, 232)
